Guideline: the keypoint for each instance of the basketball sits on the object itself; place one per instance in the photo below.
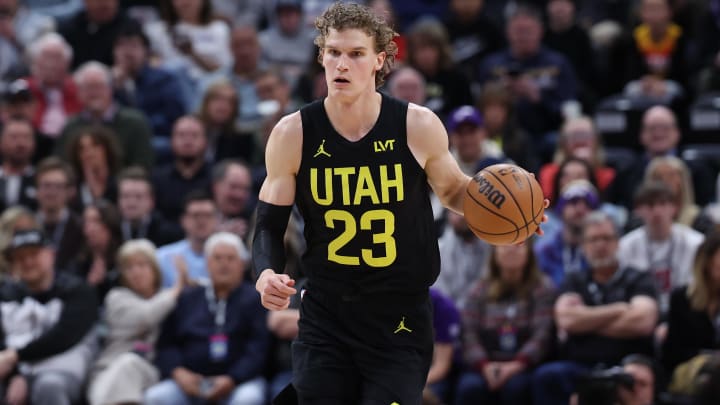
(504, 204)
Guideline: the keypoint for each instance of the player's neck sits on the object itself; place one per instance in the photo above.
(354, 118)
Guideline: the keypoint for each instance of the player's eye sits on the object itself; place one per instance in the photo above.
(356, 54)
(334, 52)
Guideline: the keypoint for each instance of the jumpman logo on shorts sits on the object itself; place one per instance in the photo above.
(401, 327)
(321, 150)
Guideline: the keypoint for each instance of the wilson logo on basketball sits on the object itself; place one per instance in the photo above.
(495, 197)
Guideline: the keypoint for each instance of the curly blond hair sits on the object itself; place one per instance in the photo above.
(341, 16)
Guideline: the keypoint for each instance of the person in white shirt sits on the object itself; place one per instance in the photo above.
(662, 246)
(188, 41)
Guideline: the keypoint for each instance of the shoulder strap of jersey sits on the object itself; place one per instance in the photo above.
(397, 113)
(312, 124)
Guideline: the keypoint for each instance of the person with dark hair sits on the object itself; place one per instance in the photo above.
(154, 91)
(17, 173)
(48, 319)
(190, 42)
(560, 252)
(95, 156)
(429, 51)
(644, 373)
(189, 169)
(92, 31)
(468, 141)
(245, 49)
(287, 44)
(95, 263)
(136, 202)
(473, 34)
(200, 219)
(602, 314)
(565, 35)
(219, 112)
(55, 183)
(507, 323)
(539, 79)
(663, 247)
(232, 190)
(496, 106)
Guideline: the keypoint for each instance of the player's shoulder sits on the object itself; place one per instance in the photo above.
(289, 128)
(421, 119)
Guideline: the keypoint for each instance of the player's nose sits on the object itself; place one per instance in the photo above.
(342, 65)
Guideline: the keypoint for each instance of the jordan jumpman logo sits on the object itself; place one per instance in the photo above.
(321, 150)
(401, 327)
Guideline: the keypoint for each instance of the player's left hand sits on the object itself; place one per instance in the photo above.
(539, 230)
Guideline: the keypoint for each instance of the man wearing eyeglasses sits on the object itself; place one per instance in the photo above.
(199, 220)
(602, 315)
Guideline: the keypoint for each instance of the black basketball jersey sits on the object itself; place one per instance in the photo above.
(368, 220)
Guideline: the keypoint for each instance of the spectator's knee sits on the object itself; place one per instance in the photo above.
(249, 393)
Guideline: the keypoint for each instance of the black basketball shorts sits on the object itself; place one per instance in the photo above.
(362, 349)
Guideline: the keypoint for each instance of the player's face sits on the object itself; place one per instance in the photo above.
(350, 62)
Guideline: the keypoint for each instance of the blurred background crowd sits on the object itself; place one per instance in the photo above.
(132, 139)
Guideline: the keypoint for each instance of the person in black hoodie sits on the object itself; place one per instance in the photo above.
(92, 31)
(430, 53)
(472, 34)
(563, 34)
(47, 326)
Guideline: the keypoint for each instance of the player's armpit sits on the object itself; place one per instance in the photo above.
(428, 141)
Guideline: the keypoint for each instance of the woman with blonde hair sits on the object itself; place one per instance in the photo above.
(675, 174)
(694, 315)
(133, 314)
(506, 328)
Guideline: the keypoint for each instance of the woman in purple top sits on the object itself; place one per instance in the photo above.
(506, 328)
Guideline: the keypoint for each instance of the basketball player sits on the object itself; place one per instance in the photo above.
(357, 164)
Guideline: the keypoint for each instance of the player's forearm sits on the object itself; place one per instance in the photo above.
(455, 196)
(268, 243)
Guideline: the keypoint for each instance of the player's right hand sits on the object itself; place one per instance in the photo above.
(275, 290)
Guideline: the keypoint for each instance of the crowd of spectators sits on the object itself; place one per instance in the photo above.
(132, 139)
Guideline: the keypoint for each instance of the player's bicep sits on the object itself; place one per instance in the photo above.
(282, 161)
(428, 141)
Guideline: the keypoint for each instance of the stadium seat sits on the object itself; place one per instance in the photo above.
(619, 157)
(704, 120)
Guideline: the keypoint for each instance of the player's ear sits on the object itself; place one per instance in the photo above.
(380, 61)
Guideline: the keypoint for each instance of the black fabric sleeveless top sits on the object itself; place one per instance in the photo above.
(368, 220)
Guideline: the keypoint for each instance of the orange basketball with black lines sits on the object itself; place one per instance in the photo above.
(504, 204)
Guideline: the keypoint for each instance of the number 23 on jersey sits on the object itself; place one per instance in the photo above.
(332, 217)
